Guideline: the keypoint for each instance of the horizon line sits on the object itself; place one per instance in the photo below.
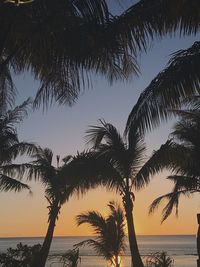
(65, 236)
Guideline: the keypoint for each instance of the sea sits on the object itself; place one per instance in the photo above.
(182, 248)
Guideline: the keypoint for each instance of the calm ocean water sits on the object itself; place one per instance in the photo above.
(181, 248)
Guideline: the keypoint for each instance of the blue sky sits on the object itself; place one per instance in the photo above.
(62, 128)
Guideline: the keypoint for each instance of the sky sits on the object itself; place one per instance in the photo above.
(62, 129)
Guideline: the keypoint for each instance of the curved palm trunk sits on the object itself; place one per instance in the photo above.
(44, 252)
(135, 255)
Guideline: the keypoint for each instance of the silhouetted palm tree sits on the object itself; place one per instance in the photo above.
(11, 147)
(110, 233)
(185, 161)
(56, 193)
(117, 164)
(63, 42)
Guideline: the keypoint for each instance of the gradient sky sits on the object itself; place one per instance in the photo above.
(62, 129)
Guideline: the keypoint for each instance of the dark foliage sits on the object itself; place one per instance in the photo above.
(21, 256)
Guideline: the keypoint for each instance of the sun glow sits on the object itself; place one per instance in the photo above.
(118, 263)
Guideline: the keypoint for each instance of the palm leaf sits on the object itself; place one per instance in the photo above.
(107, 131)
(170, 156)
(98, 247)
(94, 219)
(167, 90)
(24, 170)
(148, 19)
(184, 185)
(99, 41)
(9, 184)
(7, 90)
(86, 171)
(16, 115)
(18, 149)
(107, 141)
(173, 202)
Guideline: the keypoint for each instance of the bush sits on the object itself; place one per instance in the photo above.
(22, 256)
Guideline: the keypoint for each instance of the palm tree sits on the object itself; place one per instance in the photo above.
(11, 147)
(116, 164)
(110, 231)
(91, 39)
(56, 193)
(186, 170)
(185, 162)
(57, 189)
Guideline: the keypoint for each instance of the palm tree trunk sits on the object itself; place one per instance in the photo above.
(135, 255)
(44, 252)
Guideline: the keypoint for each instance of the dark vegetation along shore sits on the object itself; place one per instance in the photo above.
(63, 44)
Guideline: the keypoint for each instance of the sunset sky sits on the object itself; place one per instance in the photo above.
(62, 129)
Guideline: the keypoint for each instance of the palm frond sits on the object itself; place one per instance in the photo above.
(181, 78)
(91, 11)
(187, 129)
(173, 202)
(94, 219)
(100, 42)
(24, 170)
(193, 102)
(86, 171)
(16, 115)
(67, 159)
(69, 258)
(184, 185)
(18, 149)
(146, 20)
(7, 90)
(66, 66)
(183, 182)
(116, 219)
(9, 184)
(108, 142)
(98, 247)
(170, 156)
(96, 134)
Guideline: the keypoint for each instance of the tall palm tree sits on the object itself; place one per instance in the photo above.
(11, 147)
(110, 231)
(41, 168)
(77, 38)
(117, 164)
(57, 188)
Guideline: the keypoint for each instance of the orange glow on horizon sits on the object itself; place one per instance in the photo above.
(29, 218)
